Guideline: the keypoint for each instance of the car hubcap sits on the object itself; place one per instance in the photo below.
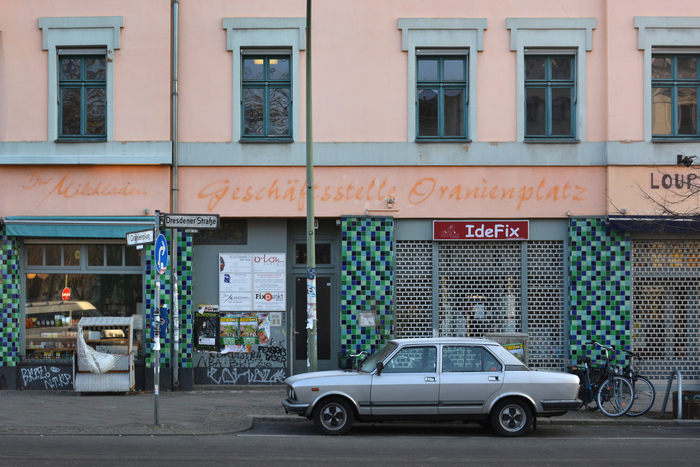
(333, 417)
(512, 418)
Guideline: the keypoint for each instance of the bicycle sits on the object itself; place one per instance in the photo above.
(613, 393)
(644, 393)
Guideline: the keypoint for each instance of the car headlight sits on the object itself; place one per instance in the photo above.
(291, 395)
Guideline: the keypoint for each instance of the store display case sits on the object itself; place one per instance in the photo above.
(52, 327)
(105, 361)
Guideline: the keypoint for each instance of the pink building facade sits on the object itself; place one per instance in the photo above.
(518, 170)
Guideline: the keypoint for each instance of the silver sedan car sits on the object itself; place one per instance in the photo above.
(443, 379)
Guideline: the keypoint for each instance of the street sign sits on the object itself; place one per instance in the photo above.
(65, 295)
(160, 254)
(191, 221)
(143, 237)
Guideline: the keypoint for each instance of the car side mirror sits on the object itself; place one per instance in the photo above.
(380, 367)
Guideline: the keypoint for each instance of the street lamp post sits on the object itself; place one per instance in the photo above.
(311, 319)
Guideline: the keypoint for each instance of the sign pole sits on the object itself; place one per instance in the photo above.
(160, 254)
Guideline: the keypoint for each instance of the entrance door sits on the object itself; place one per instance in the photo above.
(327, 358)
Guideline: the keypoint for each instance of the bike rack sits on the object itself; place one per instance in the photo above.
(679, 380)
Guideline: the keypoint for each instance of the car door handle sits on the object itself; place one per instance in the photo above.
(430, 379)
(494, 378)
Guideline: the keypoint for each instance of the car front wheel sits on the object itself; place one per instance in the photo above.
(511, 418)
(333, 416)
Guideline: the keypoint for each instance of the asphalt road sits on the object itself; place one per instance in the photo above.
(272, 443)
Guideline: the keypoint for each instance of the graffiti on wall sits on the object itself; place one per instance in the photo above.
(264, 364)
(47, 377)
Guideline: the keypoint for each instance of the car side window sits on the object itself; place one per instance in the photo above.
(413, 360)
(462, 359)
(490, 363)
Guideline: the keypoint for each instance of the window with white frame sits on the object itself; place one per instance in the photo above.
(442, 77)
(551, 77)
(671, 47)
(266, 77)
(81, 76)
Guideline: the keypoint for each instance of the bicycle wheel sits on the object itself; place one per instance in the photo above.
(615, 396)
(644, 396)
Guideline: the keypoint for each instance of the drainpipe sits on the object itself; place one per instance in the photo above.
(173, 243)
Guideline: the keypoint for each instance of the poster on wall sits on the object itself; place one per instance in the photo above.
(252, 282)
(240, 331)
(206, 328)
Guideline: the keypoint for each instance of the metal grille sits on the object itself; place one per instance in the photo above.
(479, 288)
(414, 289)
(545, 297)
(665, 299)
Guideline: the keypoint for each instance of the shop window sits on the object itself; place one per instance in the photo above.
(230, 232)
(64, 282)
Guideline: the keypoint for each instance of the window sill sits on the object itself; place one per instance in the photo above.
(430, 140)
(267, 141)
(552, 141)
(81, 140)
(691, 139)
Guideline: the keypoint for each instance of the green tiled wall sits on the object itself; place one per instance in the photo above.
(183, 268)
(601, 287)
(367, 281)
(9, 300)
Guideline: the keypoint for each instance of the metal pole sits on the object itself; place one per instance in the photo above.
(311, 320)
(156, 334)
(173, 233)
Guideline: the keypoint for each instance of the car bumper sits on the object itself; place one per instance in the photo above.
(295, 407)
(561, 405)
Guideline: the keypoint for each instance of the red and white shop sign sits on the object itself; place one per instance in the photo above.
(65, 295)
(481, 230)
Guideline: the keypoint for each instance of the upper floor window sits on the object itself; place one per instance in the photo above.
(265, 76)
(82, 94)
(442, 77)
(550, 56)
(81, 75)
(550, 96)
(266, 95)
(441, 81)
(674, 89)
(671, 55)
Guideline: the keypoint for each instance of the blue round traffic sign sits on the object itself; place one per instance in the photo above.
(160, 254)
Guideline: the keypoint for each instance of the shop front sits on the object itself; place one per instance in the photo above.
(59, 269)
(381, 270)
(654, 212)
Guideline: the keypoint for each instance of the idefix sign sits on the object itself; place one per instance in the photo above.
(481, 230)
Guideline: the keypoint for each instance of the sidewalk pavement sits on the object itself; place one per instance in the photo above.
(204, 411)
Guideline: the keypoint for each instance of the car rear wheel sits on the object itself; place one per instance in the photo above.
(511, 417)
(333, 416)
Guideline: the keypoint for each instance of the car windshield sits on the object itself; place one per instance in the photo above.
(370, 364)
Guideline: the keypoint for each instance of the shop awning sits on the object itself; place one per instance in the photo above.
(661, 224)
(75, 227)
